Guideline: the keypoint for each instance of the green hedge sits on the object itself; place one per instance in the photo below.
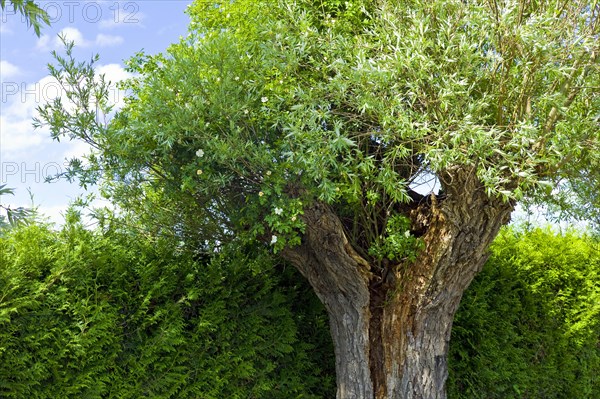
(116, 315)
(529, 324)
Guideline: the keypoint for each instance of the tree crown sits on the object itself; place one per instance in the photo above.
(267, 106)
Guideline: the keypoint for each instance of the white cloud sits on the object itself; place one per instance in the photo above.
(8, 70)
(76, 149)
(43, 43)
(29, 155)
(20, 102)
(53, 214)
(113, 72)
(46, 43)
(17, 135)
(108, 40)
(19, 105)
(72, 35)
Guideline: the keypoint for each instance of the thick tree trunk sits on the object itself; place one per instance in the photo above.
(340, 279)
(391, 331)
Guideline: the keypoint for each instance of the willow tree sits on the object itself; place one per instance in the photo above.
(310, 128)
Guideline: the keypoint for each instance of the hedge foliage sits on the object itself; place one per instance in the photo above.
(529, 324)
(118, 315)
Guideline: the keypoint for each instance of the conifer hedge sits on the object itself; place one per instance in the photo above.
(115, 315)
(529, 324)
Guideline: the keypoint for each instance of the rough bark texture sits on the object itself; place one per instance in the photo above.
(391, 331)
(339, 277)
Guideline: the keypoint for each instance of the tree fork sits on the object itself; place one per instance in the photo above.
(391, 335)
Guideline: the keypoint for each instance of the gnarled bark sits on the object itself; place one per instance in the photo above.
(391, 336)
(340, 279)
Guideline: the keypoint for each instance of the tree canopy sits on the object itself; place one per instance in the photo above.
(254, 113)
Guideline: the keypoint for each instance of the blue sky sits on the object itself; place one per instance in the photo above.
(113, 29)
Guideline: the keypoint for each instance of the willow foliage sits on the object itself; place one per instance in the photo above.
(353, 103)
